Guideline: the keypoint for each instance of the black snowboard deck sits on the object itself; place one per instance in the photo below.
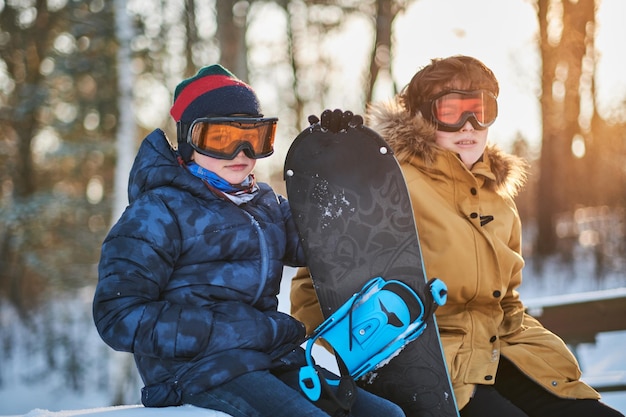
(354, 215)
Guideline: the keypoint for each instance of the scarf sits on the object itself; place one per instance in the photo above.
(237, 193)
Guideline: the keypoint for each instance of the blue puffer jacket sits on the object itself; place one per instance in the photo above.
(188, 282)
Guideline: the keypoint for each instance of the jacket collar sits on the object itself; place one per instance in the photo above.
(413, 140)
(158, 165)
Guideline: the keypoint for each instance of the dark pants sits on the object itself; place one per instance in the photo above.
(261, 394)
(515, 395)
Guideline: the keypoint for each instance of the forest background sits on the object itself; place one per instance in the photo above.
(83, 81)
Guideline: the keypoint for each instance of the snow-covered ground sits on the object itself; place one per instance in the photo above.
(130, 411)
(58, 367)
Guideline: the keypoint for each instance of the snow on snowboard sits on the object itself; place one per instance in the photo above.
(352, 209)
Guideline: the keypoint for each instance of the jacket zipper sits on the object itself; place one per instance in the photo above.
(264, 256)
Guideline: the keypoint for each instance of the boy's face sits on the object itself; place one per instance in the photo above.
(463, 118)
(467, 142)
(235, 170)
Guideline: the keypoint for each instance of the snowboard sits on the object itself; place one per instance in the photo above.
(354, 216)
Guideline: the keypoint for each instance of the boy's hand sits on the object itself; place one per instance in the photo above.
(286, 329)
(336, 121)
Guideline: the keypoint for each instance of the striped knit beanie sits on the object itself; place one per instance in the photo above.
(213, 91)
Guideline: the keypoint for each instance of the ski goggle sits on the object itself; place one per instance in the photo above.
(225, 137)
(451, 109)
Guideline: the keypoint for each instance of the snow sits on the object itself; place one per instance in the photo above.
(130, 411)
(575, 298)
(29, 389)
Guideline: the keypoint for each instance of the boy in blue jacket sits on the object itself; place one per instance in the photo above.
(190, 273)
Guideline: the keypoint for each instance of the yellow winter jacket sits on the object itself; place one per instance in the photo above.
(470, 233)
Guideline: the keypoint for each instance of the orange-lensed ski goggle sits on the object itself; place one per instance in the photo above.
(451, 109)
(225, 137)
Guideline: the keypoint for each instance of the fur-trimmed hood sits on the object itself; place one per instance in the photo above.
(412, 137)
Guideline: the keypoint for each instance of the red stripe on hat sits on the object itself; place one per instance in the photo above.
(199, 87)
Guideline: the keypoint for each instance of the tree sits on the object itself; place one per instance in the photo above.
(231, 32)
(23, 53)
(381, 57)
(563, 44)
(580, 190)
(126, 128)
(53, 118)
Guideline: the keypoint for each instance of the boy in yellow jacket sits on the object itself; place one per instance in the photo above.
(502, 362)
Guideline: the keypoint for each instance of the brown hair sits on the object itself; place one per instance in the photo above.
(456, 72)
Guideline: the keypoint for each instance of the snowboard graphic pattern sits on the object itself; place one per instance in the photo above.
(354, 215)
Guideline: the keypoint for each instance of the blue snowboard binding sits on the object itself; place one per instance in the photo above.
(370, 329)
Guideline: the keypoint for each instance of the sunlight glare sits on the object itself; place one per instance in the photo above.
(578, 146)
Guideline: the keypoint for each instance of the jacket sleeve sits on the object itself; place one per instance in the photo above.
(137, 260)
(304, 303)
(294, 251)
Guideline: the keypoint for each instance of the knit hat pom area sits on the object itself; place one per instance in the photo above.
(213, 91)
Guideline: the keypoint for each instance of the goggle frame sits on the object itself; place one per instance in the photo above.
(264, 144)
(429, 111)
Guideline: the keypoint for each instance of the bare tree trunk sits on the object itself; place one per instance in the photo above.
(576, 17)
(548, 164)
(298, 105)
(231, 34)
(192, 36)
(561, 184)
(380, 58)
(23, 54)
(126, 128)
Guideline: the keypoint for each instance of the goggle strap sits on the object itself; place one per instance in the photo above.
(182, 129)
